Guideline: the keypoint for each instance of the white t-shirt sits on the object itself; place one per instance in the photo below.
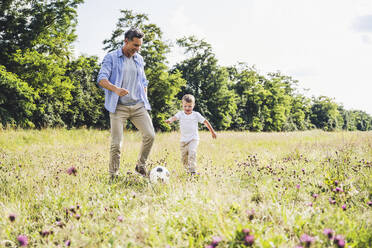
(189, 125)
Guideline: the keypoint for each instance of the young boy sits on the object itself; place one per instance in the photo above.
(189, 131)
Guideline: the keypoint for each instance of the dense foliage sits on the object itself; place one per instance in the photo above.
(43, 85)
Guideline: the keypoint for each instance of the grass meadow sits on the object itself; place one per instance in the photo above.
(309, 189)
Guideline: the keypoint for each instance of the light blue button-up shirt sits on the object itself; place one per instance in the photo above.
(112, 70)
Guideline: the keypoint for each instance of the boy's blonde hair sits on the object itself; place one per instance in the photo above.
(189, 98)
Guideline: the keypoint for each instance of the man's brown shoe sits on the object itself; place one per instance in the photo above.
(141, 170)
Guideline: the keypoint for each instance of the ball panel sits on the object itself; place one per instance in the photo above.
(159, 174)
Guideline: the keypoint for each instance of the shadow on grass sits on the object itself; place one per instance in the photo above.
(129, 180)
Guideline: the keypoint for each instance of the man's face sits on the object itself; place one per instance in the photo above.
(187, 107)
(132, 46)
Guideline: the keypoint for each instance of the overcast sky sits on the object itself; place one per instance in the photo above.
(325, 44)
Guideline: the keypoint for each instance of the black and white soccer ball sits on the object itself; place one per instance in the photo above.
(159, 174)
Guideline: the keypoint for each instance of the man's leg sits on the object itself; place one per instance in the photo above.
(117, 122)
(141, 119)
(192, 150)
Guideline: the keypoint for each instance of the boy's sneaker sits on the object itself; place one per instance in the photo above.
(194, 175)
(140, 169)
(114, 177)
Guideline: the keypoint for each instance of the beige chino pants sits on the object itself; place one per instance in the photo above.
(188, 154)
(140, 118)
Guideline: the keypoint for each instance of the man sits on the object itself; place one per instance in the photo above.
(124, 81)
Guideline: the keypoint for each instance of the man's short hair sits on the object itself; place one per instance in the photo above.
(188, 98)
(134, 33)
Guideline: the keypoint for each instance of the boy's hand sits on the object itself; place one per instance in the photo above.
(214, 135)
(167, 121)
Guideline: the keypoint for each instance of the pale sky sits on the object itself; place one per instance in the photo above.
(324, 44)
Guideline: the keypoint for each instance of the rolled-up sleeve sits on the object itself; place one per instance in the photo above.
(145, 82)
(106, 68)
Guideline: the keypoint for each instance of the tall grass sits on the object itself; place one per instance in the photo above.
(280, 186)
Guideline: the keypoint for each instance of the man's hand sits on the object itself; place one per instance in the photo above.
(118, 91)
(121, 91)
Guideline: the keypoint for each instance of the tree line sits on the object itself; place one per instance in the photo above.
(43, 85)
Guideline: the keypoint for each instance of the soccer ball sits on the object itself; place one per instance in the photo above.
(159, 174)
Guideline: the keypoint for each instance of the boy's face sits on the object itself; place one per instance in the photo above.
(187, 107)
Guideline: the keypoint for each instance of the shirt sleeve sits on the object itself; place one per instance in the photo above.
(178, 115)
(145, 82)
(199, 117)
(106, 68)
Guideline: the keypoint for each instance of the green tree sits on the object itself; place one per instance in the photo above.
(348, 119)
(208, 82)
(292, 109)
(163, 84)
(45, 26)
(87, 104)
(363, 121)
(246, 84)
(299, 117)
(16, 100)
(325, 114)
(46, 74)
(269, 103)
(36, 44)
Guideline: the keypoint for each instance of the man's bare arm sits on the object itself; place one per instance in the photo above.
(109, 86)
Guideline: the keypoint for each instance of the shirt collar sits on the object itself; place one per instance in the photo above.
(119, 53)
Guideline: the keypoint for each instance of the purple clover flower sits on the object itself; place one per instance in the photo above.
(45, 233)
(120, 218)
(67, 243)
(12, 217)
(72, 170)
(315, 196)
(339, 241)
(22, 240)
(72, 209)
(60, 224)
(298, 186)
(338, 189)
(250, 214)
(249, 240)
(216, 240)
(329, 232)
(344, 207)
(369, 203)
(307, 240)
